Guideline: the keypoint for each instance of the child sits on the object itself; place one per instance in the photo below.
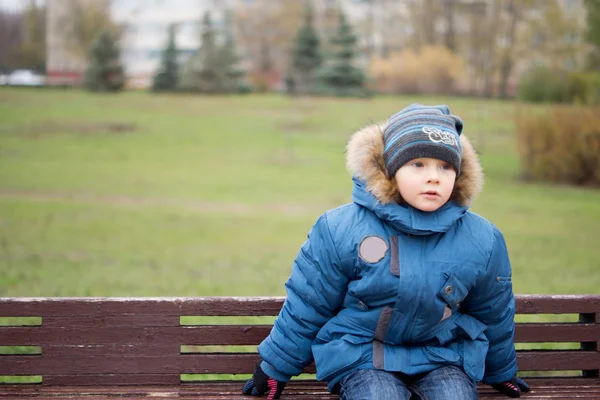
(402, 292)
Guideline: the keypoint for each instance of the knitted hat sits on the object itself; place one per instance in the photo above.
(422, 131)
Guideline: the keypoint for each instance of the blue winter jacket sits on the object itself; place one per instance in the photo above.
(380, 284)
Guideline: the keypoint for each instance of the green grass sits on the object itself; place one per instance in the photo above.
(134, 194)
(142, 195)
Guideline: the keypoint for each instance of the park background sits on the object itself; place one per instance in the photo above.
(130, 186)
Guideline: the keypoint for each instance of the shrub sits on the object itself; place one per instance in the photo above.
(543, 85)
(434, 69)
(104, 72)
(561, 144)
(583, 88)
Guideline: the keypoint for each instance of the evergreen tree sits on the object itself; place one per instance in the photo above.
(338, 77)
(32, 50)
(593, 31)
(228, 60)
(104, 72)
(212, 68)
(306, 58)
(167, 76)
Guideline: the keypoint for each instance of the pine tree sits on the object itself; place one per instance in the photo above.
(205, 71)
(104, 72)
(228, 60)
(306, 58)
(593, 32)
(32, 50)
(338, 77)
(167, 76)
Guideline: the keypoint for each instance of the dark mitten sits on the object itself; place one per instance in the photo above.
(512, 388)
(261, 384)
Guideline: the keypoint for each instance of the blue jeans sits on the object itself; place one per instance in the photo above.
(444, 383)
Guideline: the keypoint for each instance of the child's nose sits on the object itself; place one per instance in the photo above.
(433, 176)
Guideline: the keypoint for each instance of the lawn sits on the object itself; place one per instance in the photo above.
(145, 195)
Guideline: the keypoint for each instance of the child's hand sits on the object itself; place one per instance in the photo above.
(512, 388)
(261, 384)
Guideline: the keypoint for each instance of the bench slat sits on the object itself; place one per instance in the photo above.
(234, 334)
(110, 321)
(238, 306)
(111, 379)
(554, 332)
(110, 306)
(180, 335)
(50, 351)
(556, 388)
(237, 363)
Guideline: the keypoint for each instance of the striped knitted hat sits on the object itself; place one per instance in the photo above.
(422, 131)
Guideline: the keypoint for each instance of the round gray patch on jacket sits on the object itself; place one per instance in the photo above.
(372, 249)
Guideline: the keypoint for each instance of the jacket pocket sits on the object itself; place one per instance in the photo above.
(453, 292)
(338, 356)
(472, 327)
(503, 280)
(352, 302)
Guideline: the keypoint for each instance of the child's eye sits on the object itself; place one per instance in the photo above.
(446, 167)
(418, 164)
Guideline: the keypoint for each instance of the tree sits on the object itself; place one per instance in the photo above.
(593, 32)
(167, 76)
(423, 16)
(11, 36)
(338, 77)
(265, 30)
(229, 60)
(213, 68)
(104, 72)
(83, 22)
(204, 72)
(32, 51)
(515, 12)
(306, 58)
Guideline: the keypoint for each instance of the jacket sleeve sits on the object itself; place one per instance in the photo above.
(315, 291)
(492, 302)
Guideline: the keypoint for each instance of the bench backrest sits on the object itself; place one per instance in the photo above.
(130, 341)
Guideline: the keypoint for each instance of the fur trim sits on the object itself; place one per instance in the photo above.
(364, 160)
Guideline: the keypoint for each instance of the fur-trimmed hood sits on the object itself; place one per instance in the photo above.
(364, 160)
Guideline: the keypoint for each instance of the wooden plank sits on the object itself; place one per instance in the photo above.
(565, 360)
(181, 306)
(527, 360)
(555, 332)
(112, 379)
(112, 321)
(180, 335)
(237, 363)
(557, 304)
(556, 388)
(110, 350)
(236, 334)
(237, 306)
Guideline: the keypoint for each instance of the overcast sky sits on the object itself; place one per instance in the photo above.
(15, 4)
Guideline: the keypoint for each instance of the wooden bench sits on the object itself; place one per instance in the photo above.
(104, 348)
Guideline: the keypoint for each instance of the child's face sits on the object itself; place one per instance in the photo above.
(426, 183)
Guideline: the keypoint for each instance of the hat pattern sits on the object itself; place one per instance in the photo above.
(422, 131)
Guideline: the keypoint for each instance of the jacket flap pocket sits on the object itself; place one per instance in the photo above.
(471, 326)
(453, 292)
(352, 302)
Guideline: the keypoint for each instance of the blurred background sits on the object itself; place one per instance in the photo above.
(186, 147)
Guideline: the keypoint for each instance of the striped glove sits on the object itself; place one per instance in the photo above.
(512, 388)
(261, 384)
